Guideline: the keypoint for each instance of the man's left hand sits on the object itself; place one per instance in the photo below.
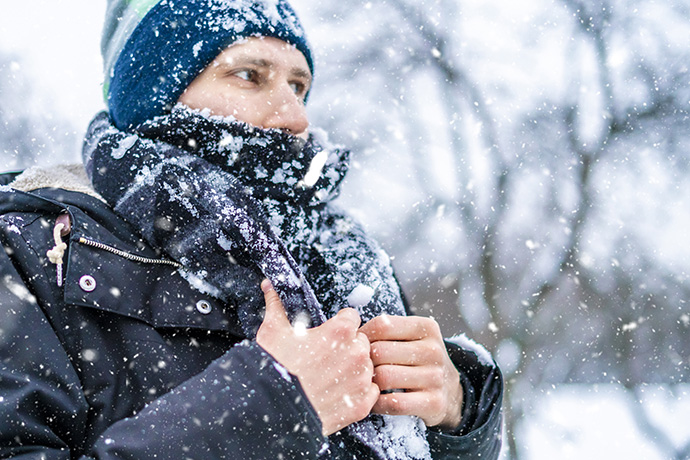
(409, 354)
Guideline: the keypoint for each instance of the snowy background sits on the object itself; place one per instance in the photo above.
(525, 163)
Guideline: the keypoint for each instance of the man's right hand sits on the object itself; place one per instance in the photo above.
(331, 361)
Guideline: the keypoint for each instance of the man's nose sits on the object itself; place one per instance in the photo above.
(287, 113)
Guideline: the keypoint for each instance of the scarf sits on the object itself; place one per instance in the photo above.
(234, 204)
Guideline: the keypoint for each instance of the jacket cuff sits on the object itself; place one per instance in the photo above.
(296, 400)
(297, 415)
(283, 421)
(480, 429)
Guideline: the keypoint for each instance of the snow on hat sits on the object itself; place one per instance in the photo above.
(153, 49)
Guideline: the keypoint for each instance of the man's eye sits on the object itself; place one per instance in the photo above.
(246, 74)
(299, 88)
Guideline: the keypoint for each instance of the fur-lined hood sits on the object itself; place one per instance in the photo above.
(70, 177)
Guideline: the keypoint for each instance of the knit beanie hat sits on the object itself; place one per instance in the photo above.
(153, 49)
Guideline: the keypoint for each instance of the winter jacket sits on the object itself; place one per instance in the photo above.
(115, 355)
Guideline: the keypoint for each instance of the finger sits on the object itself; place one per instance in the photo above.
(363, 342)
(419, 403)
(368, 365)
(372, 396)
(275, 312)
(389, 377)
(364, 402)
(348, 316)
(387, 327)
(411, 353)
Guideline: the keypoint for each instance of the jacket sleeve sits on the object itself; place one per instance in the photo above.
(243, 405)
(225, 412)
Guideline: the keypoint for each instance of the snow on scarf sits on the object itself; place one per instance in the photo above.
(234, 204)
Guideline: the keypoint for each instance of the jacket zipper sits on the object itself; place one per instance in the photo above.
(127, 255)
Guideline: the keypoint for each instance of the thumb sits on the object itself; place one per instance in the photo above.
(275, 312)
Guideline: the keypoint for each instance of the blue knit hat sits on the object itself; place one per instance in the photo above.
(153, 49)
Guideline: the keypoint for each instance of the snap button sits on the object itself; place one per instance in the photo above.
(66, 224)
(203, 307)
(87, 283)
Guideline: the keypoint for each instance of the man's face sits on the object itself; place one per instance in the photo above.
(262, 81)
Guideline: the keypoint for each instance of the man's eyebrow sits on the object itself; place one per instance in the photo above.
(258, 62)
(300, 72)
(245, 60)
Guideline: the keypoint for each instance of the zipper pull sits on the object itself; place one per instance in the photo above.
(55, 255)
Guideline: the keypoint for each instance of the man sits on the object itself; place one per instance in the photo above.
(129, 339)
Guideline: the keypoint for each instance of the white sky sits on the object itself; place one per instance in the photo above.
(575, 422)
(57, 44)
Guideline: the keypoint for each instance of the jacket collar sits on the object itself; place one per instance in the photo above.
(70, 177)
(96, 278)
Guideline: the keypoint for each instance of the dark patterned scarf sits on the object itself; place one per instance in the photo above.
(234, 204)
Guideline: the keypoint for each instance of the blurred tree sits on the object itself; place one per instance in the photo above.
(522, 179)
(29, 132)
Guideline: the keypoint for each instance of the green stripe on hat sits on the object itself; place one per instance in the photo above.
(142, 6)
(121, 18)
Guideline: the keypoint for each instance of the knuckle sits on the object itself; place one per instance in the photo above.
(435, 328)
(432, 351)
(356, 367)
(385, 406)
(431, 327)
(433, 380)
(439, 348)
(338, 324)
(272, 298)
(435, 404)
(383, 376)
(369, 371)
(385, 326)
(365, 352)
(363, 342)
(341, 329)
(373, 322)
(362, 410)
(437, 375)
(350, 315)
(363, 379)
(375, 391)
(424, 349)
(379, 326)
(362, 362)
(398, 405)
(359, 354)
(376, 349)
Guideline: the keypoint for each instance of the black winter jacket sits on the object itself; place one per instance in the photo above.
(123, 358)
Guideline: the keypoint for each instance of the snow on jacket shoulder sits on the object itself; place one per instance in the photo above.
(116, 355)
